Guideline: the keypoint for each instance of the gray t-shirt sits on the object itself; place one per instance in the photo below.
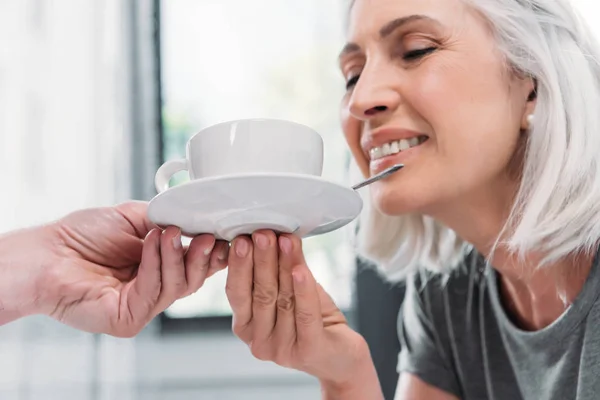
(456, 336)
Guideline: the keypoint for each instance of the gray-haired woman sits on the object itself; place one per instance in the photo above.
(492, 105)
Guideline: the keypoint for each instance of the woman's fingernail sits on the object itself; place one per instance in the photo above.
(177, 240)
(241, 248)
(210, 248)
(261, 241)
(286, 244)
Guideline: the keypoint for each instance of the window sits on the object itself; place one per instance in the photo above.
(232, 59)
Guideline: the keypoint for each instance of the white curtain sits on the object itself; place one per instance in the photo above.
(63, 107)
(64, 144)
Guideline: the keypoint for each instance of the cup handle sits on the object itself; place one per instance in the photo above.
(166, 172)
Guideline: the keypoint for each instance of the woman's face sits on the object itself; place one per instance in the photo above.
(427, 87)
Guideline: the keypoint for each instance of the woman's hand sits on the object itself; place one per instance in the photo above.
(284, 316)
(106, 270)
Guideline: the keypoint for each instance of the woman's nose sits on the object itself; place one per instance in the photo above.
(374, 94)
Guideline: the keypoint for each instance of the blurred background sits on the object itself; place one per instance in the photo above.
(94, 96)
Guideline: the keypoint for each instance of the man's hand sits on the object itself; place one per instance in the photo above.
(106, 270)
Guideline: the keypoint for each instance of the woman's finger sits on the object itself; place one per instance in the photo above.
(174, 283)
(285, 327)
(309, 323)
(145, 290)
(197, 261)
(239, 286)
(266, 285)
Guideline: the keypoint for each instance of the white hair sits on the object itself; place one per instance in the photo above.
(557, 209)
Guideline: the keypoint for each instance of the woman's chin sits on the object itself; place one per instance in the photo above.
(395, 204)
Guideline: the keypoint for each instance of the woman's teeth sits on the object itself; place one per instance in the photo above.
(395, 147)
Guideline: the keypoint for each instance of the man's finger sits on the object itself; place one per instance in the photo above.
(145, 289)
(197, 261)
(136, 213)
(173, 276)
(218, 258)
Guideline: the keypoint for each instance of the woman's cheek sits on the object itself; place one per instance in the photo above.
(352, 131)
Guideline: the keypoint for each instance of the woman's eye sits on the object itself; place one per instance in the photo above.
(352, 81)
(416, 54)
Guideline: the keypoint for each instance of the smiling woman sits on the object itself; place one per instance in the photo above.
(494, 221)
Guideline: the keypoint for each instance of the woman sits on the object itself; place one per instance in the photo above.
(499, 201)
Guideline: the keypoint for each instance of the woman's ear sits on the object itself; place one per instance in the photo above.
(528, 112)
(533, 90)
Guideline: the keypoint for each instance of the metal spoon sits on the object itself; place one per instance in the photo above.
(333, 225)
(379, 176)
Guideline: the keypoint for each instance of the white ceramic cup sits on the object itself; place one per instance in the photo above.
(247, 146)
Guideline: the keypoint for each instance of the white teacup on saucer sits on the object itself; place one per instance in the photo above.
(253, 174)
(248, 146)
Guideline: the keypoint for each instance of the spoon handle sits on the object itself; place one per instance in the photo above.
(379, 176)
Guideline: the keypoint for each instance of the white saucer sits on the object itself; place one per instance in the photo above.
(229, 206)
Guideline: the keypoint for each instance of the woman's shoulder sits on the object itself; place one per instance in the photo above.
(438, 319)
(450, 298)
(467, 276)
